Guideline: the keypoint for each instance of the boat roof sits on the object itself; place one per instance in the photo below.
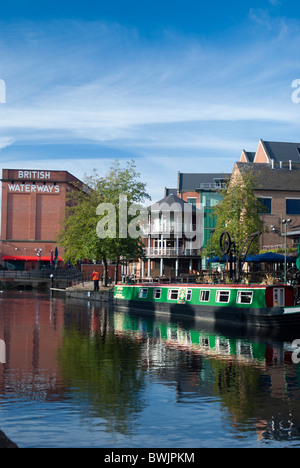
(204, 285)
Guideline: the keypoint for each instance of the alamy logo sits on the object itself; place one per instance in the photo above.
(2, 92)
(126, 220)
(2, 352)
(296, 93)
(296, 352)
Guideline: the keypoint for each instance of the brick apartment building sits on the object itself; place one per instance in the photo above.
(33, 207)
(276, 167)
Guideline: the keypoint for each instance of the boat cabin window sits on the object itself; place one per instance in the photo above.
(223, 296)
(143, 293)
(157, 294)
(189, 295)
(204, 296)
(244, 297)
(173, 294)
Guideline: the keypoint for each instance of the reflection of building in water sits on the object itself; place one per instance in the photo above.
(255, 381)
(32, 339)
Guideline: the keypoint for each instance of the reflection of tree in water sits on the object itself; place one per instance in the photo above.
(104, 371)
(236, 384)
(248, 394)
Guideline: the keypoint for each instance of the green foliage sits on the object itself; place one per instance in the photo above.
(238, 213)
(78, 233)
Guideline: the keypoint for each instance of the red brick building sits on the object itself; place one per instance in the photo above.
(33, 206)
(276, 167)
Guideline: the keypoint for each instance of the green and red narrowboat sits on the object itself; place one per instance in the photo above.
(259, 305)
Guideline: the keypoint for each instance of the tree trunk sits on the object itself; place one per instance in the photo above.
(105, 272)
(117, 271)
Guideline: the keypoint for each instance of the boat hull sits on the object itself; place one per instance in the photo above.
(259, 317)
(258, 314)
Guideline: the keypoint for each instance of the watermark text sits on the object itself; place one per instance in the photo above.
(296, 352)
(2, 92)
(2, 352)
(296, 93)
(133, 220)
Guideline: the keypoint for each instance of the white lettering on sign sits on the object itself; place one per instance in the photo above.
(27, 188)
(34, 175)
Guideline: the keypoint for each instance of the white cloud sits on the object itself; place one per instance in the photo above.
(6, 141)
(169, 102)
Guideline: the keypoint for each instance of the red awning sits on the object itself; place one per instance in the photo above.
(28, 258)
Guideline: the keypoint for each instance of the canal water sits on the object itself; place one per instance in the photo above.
(78, 375)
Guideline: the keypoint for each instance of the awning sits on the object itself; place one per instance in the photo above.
(270, 257)
(223, 259)
(29, 258)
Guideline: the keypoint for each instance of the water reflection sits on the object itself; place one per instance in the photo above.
(255, 380)
(141, 382)
(102, 368)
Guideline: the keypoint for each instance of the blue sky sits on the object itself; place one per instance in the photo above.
(174, 85)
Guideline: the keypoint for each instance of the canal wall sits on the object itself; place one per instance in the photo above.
(104, 295)
(38, 279)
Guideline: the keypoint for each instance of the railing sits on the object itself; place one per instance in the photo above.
(214, 278)
(273, 247)
(38, 275)
(166, 228)
(211, 186)
(170, 252)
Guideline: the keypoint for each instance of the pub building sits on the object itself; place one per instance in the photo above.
(33, 207)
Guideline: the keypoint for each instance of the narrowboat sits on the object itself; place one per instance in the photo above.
(257, 305)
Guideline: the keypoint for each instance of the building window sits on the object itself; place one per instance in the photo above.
(293, 206)
(204, 296)
(244, 297)
(223, 296)
(143, 293)
(157, 294)
(173, 294)
(266, 205)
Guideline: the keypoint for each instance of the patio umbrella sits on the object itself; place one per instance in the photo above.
(272, 257)
(223, 259)
(250, 258)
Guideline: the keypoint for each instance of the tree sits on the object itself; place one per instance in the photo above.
(238, 213)
(98, 217)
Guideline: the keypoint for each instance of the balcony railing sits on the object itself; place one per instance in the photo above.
(166, 228)
(211, 186)
(170, 252)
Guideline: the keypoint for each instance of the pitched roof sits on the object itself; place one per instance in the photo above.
(249, 155)
(169, 191)
(191, 182)
(171, 201)
(285, 152)
(272, 179)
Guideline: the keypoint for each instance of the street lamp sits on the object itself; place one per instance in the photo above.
(38, 254)
(285, 222)
(210, 257)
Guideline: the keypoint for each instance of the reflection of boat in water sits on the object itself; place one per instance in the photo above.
(257, 305)
(254, 378)
(205, 342)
